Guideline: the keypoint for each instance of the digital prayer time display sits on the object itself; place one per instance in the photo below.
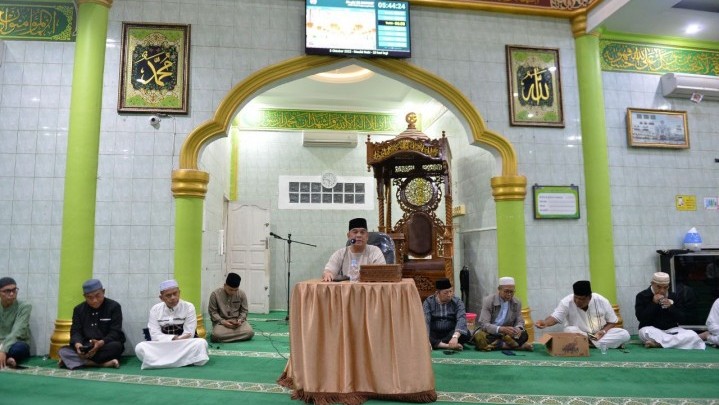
(362, 28)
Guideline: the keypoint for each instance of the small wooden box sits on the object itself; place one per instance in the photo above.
(391, 273)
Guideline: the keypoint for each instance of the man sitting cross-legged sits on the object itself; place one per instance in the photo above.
(14, 325)
(445, 318)
(500, 323)
(172, 325)
(96, 336)
(711, 335)
(228, 312)
(588, 313)
(659, 313)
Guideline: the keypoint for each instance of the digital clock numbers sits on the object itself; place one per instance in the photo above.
(394, 5)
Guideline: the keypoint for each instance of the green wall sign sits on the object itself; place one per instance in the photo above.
(40, 21)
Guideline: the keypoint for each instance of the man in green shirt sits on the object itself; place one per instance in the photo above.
(14, 325)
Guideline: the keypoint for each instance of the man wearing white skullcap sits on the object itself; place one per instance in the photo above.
(172, 326)
(660, 312)
(500, 323)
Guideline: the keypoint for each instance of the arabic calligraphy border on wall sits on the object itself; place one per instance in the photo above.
(41, 22)
(321, 120)
(625, 56)
(158, 89)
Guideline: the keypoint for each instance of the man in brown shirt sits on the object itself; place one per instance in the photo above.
(228, 312)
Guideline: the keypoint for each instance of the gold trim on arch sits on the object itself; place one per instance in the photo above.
(190, 183)
(507, 188)
(253, 84)
(519, 9)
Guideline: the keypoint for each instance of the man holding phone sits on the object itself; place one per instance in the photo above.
(96, 336)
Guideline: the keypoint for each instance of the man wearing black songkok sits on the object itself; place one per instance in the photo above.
(446, 318)
(357, 253)
(228, 312)
(588, 313)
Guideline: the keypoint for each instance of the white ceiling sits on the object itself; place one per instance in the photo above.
(658, 17)
(382, 94)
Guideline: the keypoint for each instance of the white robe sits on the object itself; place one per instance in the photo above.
(674, 338)
(713, 324)
(162, 351)
(598, 313)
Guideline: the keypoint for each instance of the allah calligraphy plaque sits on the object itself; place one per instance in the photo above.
(154, 68)
(535, 91)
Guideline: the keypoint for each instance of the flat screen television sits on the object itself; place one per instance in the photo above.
(361, 28)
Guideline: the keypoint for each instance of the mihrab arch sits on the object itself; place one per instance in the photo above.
(189, 185)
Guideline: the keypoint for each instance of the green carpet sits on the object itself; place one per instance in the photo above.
(247, 372)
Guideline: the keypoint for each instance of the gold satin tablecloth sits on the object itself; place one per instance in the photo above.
(350, 342)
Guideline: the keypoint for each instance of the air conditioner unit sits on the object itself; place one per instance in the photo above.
(329, 139)
(683, 85)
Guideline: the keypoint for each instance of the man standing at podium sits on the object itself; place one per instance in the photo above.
(357, 253)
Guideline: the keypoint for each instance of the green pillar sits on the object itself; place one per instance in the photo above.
(596, 167)
(509, 193)
(511, 244)
(189, 188)
(83, 141)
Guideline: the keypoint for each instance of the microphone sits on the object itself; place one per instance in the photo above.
(275, 235)
(352, 241)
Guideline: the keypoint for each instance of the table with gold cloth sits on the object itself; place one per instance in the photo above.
(350, 342)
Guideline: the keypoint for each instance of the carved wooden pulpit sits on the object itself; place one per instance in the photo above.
(415, 169)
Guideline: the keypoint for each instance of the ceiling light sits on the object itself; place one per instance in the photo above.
(347, 74)
(693, 29)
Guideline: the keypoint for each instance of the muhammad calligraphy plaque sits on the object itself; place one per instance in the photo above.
(154, 68)
(535, 91)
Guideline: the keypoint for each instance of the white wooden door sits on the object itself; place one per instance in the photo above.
(248, 254)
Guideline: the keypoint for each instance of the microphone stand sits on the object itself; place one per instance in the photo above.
(289, 262)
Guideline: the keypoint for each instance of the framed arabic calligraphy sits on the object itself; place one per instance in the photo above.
(657, 129)
(535, 91)
(154, 68)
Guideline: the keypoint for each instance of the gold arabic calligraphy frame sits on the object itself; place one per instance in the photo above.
(154, 101)
(536, 116)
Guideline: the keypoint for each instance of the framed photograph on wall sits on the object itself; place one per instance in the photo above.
(154, 68)
(657, 129)
(535, 91)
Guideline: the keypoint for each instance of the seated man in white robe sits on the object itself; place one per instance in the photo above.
(659, 313)
(588, 313)
(711, 335)
(172, 325)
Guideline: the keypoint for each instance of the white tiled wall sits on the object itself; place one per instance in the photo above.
(645, 182)
(234, 38)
